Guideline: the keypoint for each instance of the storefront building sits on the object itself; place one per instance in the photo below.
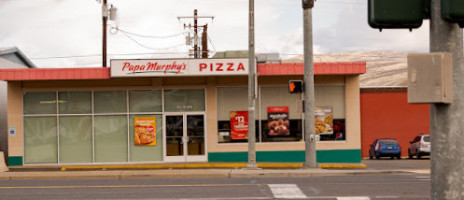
(185, 110)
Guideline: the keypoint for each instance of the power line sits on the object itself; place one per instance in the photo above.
(149, 36)
(209, 39)
(97, 55)
(147, 47)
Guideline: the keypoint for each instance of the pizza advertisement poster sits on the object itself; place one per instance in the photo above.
(145, 131)
(324, 120)
(238, 125)
(277, 121)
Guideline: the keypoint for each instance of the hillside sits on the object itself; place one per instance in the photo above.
(384, 68)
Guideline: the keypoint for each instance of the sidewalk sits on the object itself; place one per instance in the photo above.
(191, 170)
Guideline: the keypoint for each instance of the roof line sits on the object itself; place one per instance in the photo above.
(20, 55)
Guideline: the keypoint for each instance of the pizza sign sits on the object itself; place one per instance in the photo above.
(181, 67)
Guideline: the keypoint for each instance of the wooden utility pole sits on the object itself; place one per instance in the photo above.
(204, 42)
(196, 50)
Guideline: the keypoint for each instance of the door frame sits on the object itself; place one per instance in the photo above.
(185, 157)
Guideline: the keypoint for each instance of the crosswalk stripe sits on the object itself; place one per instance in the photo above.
(353, 198)
(286, 191)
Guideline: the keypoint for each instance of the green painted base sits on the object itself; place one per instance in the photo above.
(323, 156)
(15, 161)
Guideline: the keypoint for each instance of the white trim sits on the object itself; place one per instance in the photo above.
(57, 128)
(93, 127)
(128, 126)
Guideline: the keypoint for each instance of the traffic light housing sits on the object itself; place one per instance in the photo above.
(397, 13)
(453, 11)
(295, 86)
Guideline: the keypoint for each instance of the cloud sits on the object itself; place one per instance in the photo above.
(73, 27)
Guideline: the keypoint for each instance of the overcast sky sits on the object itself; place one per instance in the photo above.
(72, 29)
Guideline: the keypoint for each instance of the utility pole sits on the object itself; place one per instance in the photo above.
(309, 133)
(204, 42)
(251, 88)
(196, 50)
(195, 30)
(446, 120)
(105, 19)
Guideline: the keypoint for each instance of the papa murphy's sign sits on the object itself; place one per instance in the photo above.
(182, 67)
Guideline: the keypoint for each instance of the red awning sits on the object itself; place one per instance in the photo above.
(104, 73)
(319, 68)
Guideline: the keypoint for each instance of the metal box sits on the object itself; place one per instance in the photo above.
(430, 78)
(396, 13)
(453, 11)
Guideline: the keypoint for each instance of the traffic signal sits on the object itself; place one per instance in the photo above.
(397, 13)
(453, 11)
(295, 86)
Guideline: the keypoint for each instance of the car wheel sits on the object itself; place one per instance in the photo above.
(419, 156)
(409, 154)
(399, 157)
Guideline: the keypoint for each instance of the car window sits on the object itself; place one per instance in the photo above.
(426, 138)
(388, 142)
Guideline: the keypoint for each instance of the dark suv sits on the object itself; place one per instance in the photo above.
(385, 147)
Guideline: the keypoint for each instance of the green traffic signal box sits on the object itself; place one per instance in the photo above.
(453, 11)
(396, 13)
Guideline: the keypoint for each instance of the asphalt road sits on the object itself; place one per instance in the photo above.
(413, 186)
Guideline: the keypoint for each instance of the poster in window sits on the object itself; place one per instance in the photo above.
(324, 120)
(277, 121)
(238, 125)
(145, 131)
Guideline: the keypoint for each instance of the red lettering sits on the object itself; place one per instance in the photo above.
(219, 68)
(202, 66)
(210, 67)
(126, 64)
(240, 67)
(230, 67)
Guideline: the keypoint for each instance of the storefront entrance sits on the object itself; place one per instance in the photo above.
(185, 137)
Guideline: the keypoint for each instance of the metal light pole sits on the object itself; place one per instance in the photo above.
(251, 89)
(105, 19)
(447, 153)
(309, 130)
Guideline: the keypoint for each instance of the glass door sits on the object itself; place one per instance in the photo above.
(185, 138)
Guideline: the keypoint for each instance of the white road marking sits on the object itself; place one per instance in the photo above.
(287, 191)
(353, 198)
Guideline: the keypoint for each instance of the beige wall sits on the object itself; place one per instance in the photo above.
(15, 118)
(352, 112)
(210, 83)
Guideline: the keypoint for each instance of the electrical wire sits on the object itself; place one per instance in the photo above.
(209, 39)
(147, 47)
(148, 36)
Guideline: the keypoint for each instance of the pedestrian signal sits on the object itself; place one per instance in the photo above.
(295, 86)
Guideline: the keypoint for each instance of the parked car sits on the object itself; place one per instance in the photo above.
(419, 146)
(385, 147)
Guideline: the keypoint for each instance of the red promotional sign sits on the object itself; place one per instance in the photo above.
(239, 125)
(278, 122)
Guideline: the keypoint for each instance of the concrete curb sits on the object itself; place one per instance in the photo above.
(215, 166)
(192, 173)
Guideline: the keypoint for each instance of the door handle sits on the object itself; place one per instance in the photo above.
(185, 139)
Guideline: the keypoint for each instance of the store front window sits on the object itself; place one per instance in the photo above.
(280, 114)
(91, 127)
(232, 105)
(184, 100)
